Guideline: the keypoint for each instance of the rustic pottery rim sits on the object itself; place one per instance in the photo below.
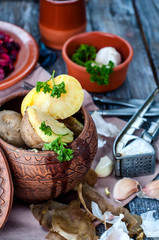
(81, 68)
(64, 2)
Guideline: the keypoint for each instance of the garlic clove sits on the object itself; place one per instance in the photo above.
(106, 54)
(152, 189)
(105, 167)
(124, 188)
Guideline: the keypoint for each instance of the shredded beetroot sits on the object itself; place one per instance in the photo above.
(8, 54)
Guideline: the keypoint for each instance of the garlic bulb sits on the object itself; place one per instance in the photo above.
(106, 54)
(124, 188)
(105, 167)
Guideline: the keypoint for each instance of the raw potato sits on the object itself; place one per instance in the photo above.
(10, 127)
(34, 137)
(59, 108)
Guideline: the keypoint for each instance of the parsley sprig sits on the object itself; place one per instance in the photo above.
(56, 90)
(85, 56)
(64, 154)
(99, 73)
(46, 129)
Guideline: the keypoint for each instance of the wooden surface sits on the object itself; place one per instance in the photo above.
(135, 20)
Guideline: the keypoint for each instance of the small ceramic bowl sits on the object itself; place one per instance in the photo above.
(98, 40)
(59, 20)
(39, 176)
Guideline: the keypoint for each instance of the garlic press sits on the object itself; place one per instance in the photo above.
(134, 154)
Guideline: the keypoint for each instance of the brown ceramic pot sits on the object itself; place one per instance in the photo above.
(59, 20)
(98, 40)
(39, 176)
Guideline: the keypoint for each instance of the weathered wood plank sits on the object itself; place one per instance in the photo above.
(23, 13)
(118, 17)
(149, 18)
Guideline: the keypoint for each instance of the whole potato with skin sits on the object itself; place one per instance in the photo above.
(10, 127)
(30, 137)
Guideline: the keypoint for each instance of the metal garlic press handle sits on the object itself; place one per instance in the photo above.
(152, 132)
(131, 165)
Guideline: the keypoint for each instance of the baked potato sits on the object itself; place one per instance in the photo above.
(10, 127)
(59, 108)
(31, 131)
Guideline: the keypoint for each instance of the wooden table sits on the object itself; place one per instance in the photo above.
(135, 20)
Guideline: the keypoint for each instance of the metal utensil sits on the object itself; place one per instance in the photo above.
(27, 86)
(114, 101)
(135, 164)
(154, 111)
(135, 102)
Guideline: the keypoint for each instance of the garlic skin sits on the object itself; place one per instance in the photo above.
(104, 128)
(106, 54)
(124, 188)
(105, 167)
(152, 189)
(150, 225)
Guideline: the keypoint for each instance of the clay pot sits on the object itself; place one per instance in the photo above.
(98, 40)
(59, 20)
(39, 176)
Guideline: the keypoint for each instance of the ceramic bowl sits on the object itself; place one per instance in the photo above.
(27, 56)
(98, 40)
(39, 176)
(59, 20)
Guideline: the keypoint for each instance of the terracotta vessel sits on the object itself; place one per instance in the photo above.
(39, 176)
(27, 56)
(98, 40)
(59, 20)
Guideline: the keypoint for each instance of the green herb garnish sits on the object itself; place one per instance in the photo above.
(56, 90)
(44, 85)
(46, 129)
(84, 54)
(99, 73)
(64, 154)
